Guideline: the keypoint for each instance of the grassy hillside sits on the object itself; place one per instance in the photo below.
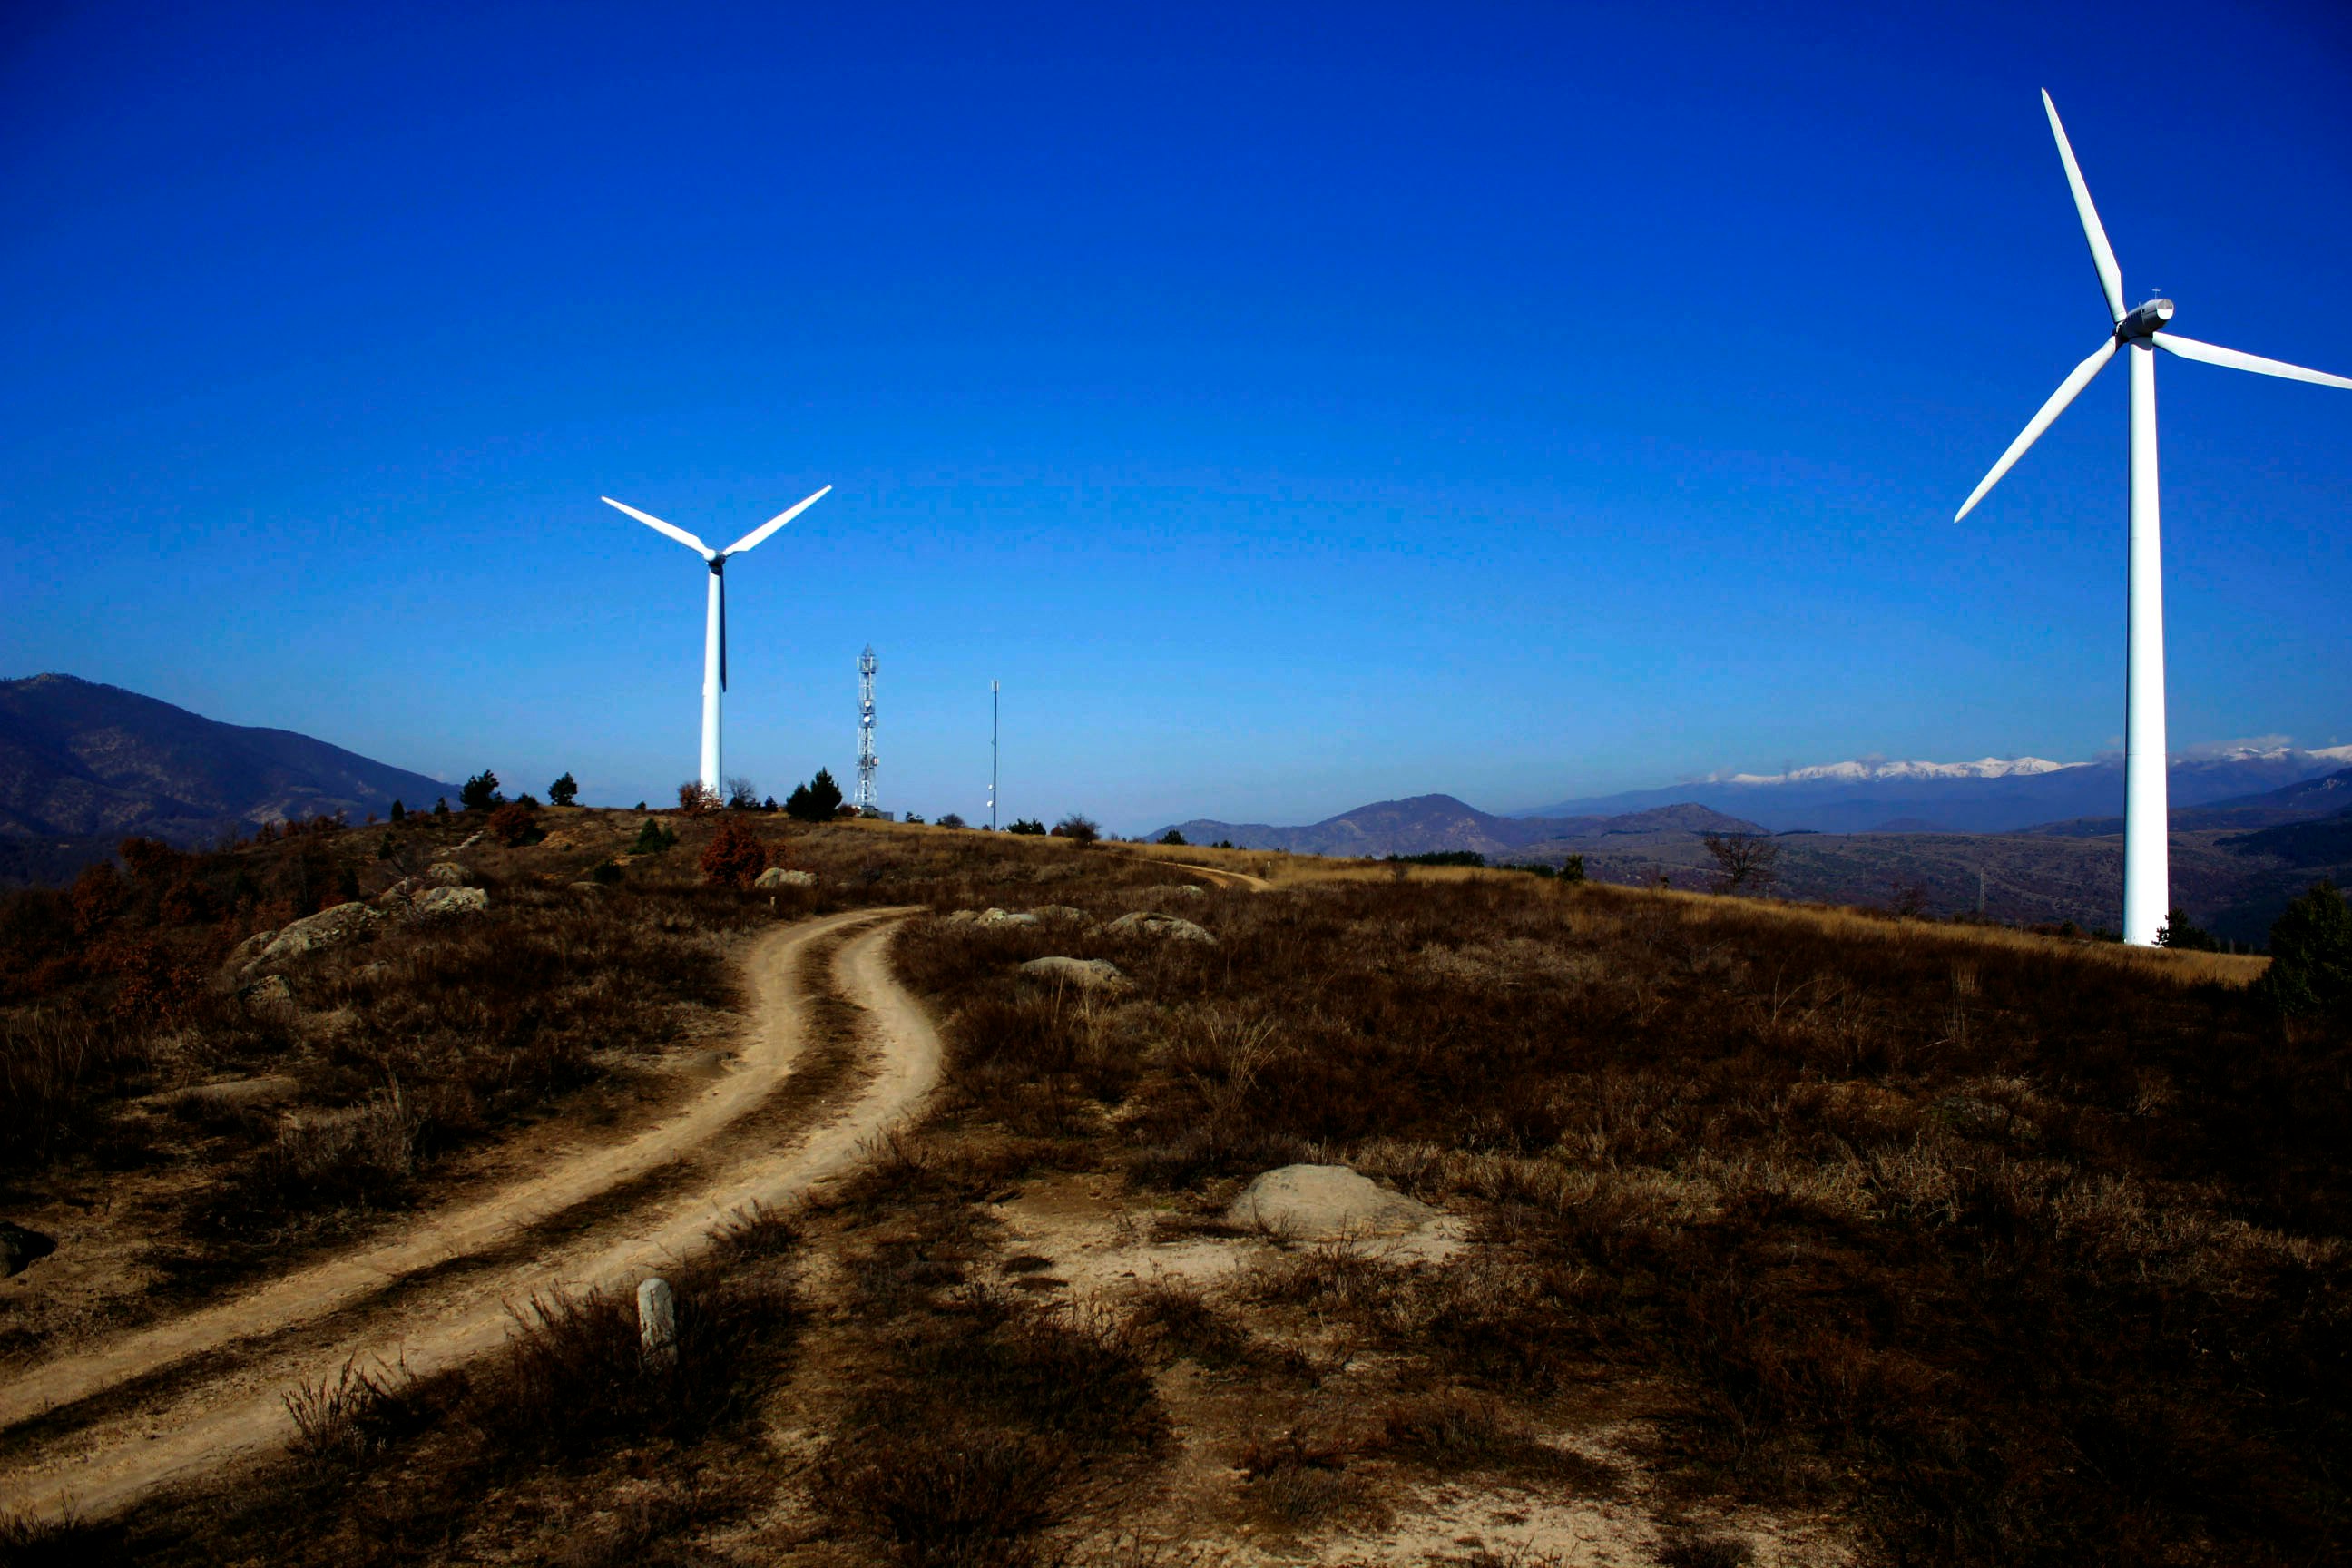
(1775, 1235)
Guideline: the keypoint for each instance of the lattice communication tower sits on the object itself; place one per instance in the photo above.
(865, 801)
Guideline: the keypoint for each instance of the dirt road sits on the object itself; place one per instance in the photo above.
(1226, 878)
(94, 1432)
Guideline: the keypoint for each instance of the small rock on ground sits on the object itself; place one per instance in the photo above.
(1005, 918)
(1174, 891)
(270, 1089)
(19, 1247)
(777, 877)
(1143, 923)
(1086, 974)
(436, 902)
(1317, 1202)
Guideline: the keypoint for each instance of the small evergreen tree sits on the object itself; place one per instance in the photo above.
(951, 819)
(441, 806)
(2183, 935)
(1173, 837)
(399, 814)
(480, 792)
(563, 790)
(2311, 954)
(819, 800)
(653, 839)
(1028, 826)
(1572, 869)
(1078, 829)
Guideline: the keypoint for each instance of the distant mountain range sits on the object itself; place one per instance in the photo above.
(1432, 822)
(1994, 795)
(2236, 859)
(83, 766)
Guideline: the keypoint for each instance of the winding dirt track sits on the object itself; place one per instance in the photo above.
(1227, 878)
(167, 1403)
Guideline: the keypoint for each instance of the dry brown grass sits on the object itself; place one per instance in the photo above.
(1986, 1247)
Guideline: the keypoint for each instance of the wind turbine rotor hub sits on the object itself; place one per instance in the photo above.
(2143, 322)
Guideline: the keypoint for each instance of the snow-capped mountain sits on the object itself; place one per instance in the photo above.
(1993, 795)
(1864, 772)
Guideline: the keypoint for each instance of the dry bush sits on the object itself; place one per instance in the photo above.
(987, 1421)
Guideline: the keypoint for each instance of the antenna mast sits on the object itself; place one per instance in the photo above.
(993, 690)
(865, 801)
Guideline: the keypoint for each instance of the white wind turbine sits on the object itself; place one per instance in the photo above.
(714, 637)
(2147, 874)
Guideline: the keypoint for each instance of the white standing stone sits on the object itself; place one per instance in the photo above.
(657, 1320)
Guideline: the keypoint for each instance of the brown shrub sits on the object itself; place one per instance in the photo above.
(734, 857)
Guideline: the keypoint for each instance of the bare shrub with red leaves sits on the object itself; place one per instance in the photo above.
(734, 857)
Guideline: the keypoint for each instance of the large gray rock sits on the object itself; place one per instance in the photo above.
(1004, 918)
(446, 874)
(1151, 923)
(1086, 974)
(325, 929)
(1321, 1202)
(1173, 890)
(236, 1093)
(777, 877)
(20, 1248)
(437, 903)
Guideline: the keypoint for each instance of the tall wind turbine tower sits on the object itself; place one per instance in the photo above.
(2141, 329)
(714, 631)
(865, 801)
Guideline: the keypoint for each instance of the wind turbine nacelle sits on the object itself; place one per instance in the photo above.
(2143, 322)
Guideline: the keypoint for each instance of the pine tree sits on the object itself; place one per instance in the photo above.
(563, 790)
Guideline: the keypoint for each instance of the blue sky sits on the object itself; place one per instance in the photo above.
(1292, 407)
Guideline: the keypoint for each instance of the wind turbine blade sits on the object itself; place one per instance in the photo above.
(2066, 392)
(659, 526)
(2103, 255)
(2189, 348)
(774, 523)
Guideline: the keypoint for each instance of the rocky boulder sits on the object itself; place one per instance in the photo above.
(1004, 918)
(1173, 890)
(437, 903)
(1151, 923)
(1085, 973)
(446, 874)
(1322, 1203)
(777, 877)
(325, 929)
(20, 1248)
